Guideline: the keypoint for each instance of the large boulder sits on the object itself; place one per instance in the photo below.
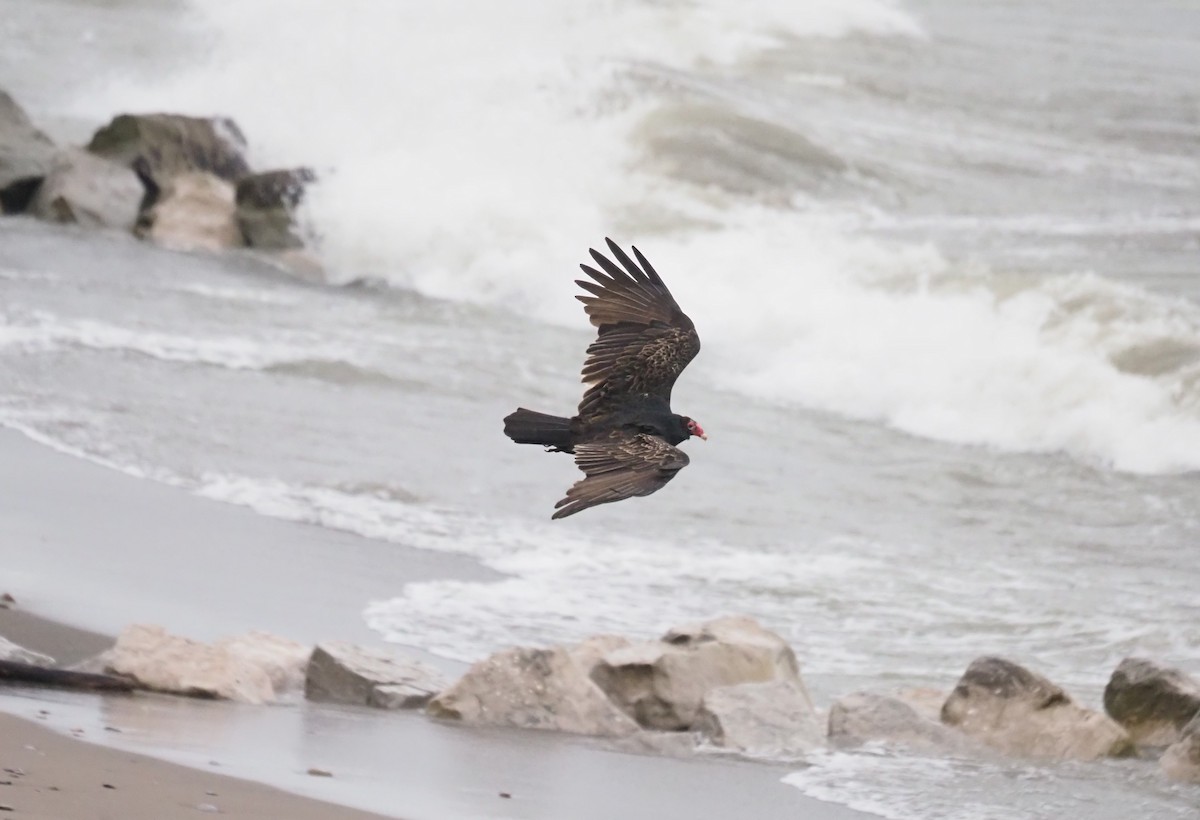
(1151, 701)
(194, 213)
(266, 207)
(662, 684)
(85, 189)
(160, 147)
(26, 155)
(865, 717)
(532, 689)
(340, 672)
(1018, 712)
(285, 661)
(10, 651)
(770, 719)
(168, 663)
(589, 652)
(1181, 760)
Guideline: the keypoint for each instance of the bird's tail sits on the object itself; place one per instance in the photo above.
(527, 427)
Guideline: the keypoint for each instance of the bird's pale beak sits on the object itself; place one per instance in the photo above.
(704, 436)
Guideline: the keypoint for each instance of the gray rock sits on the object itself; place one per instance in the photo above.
(266, 207)
(665, 744)
(344, 673)
(85, 189)
(1181, 760)
(770, 719)
(160, 147)
(865, 717)
(661, 685)
(532, 689)
(399, 696)
(10, 651)
(194, 213)
(1017, 712)
(26, 156)
(591, 651)
(168, 663)
(285, 661)
(1153, 702)
(926, 701)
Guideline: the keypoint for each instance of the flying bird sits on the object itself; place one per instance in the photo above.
(624, 434)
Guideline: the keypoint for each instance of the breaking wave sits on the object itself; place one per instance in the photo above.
(535, 132)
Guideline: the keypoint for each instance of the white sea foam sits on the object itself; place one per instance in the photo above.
(563, 587)
(834, 600)
(40, 331)
(900, 787)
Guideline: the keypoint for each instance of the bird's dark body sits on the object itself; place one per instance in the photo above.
(624, 434)
(639, 413)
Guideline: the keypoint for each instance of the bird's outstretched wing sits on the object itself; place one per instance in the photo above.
(618, 467)
(645, 340)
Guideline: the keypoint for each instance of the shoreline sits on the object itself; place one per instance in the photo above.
(57, 776)
(139, 551)
(107, 558)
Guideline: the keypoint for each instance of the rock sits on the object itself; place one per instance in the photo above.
(7, 601)
(1181, 760)
(400, 696)
(285, 661)
(661, 685)
(266, 206)
(1152, 702)
(926, 701)
(85, 189)
(864, 717)
(10, 651)
(532, 689)
(168, 663)
(1018, 712)
(160, 147)
(26, 155)
(589, 652)
(761, 719)
(663, 744)
(344, 673)
(194, 213)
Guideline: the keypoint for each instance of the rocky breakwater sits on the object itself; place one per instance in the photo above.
(179, 181)
(727, 682)
(1159, 706)
(1019, 712)
(727, 685)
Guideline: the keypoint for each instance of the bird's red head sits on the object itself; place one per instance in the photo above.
(694, 429)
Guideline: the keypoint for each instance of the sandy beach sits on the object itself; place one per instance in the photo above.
(47, 775)
(167, 756)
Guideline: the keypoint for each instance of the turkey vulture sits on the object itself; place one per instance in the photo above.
(624, 434)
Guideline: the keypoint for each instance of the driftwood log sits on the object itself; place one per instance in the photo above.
(26, 673)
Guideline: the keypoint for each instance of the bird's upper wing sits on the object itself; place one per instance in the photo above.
(618, 467)
(645, 340)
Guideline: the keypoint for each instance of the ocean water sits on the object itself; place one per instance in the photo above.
(942, 255)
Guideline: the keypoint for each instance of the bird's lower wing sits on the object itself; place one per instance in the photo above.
(620, 467)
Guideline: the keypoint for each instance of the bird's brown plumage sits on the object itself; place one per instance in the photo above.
(644, 341)
(624, 433)
(619, 466)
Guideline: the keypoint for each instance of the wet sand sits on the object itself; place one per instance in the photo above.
(56, 777)
(97, 549)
